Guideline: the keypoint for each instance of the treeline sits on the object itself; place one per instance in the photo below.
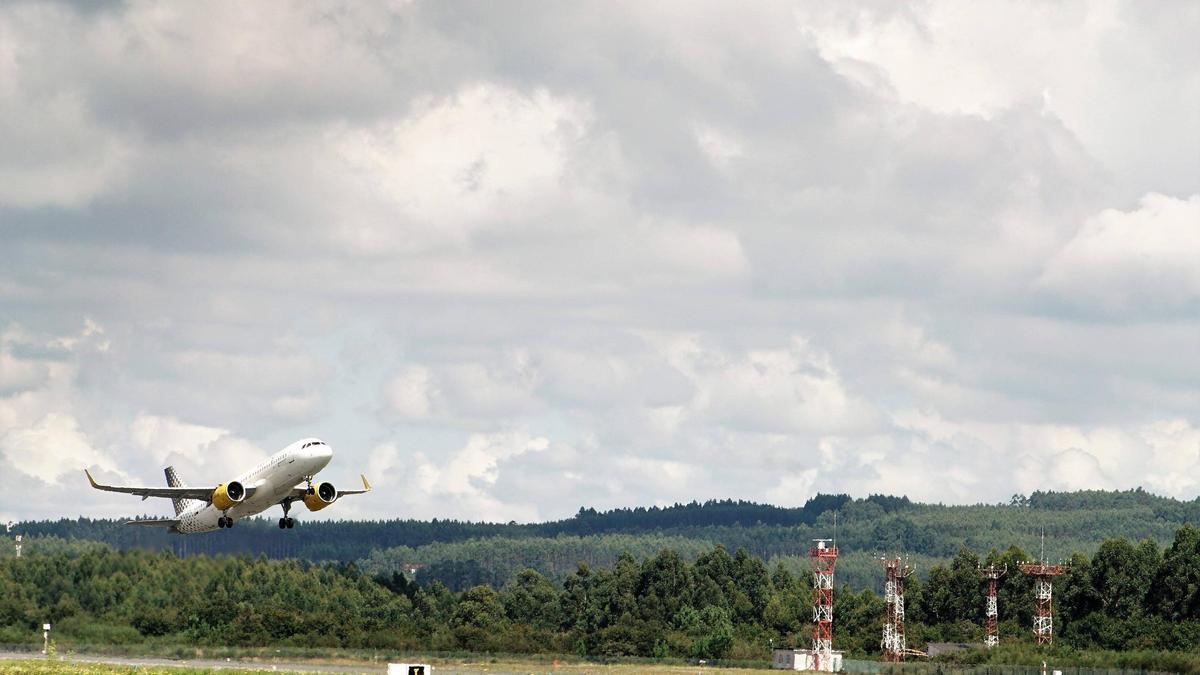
(496, 562)
(879, 524)
(1125, 597)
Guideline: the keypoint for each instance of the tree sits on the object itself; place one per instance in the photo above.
(1176, 592)
(478, 617)
(710, 630)
(533, 600)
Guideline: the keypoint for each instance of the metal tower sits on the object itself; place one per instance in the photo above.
(824, 556)
(17, 541)
(893, 623)
(991, 636)
(1043, 574)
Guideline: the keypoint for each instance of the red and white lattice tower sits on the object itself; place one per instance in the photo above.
(991, 612)
(824, 556)
(1043, 615)
(893, 596)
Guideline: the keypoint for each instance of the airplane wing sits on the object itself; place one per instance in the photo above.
(298, 493)
(202, 493)
(163, 522)
(366, 488)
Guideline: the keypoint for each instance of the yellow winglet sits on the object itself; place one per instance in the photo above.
(366, 485)
(90, 479)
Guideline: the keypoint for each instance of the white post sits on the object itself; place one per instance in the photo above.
(45, 638)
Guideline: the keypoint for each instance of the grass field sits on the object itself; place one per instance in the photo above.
(44, 667)
(47, 667)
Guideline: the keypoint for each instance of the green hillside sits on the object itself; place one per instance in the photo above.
(1130, 604)
(462, 554)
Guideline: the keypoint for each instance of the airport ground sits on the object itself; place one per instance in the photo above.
(22, 664)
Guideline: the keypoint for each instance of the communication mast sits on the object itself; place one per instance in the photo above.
(991, 636)
(824, 556)
(893, 624)
(1043, 574)
(8, 529)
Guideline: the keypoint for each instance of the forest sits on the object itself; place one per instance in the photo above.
(1139, 598)
(465, 554)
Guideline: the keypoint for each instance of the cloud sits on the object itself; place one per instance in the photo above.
(518, 262)
(461, 484)
(1128, 262)
(1078, 61)
(51, 448)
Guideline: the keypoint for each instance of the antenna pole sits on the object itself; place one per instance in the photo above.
(893, 643)
(1043, 574)
(991, 636)
(823, 558)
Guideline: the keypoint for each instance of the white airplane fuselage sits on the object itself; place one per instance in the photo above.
(274, 479)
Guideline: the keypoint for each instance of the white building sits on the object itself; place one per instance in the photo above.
(805, 659)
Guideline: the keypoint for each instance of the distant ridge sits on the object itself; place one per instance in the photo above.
(876, 522)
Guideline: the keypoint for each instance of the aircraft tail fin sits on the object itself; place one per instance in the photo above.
(173, 481)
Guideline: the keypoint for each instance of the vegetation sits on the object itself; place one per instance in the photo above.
(715, 606)
(54, 667)
(42, 667)
(463, 554)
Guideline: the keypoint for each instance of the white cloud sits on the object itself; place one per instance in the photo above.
(17, 375)
(162, 436)
(1132, 261)
(460, 167)
(1104, 68)
(461, 484)
(793, 389)
(51, 448)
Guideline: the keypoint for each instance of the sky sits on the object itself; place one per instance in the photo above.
(513, 259)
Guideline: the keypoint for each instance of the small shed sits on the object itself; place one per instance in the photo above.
(806, 659)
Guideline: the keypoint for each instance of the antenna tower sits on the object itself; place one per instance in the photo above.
(1043, 574)
(893, 622)
(991, 636)
(824, 556)
(8, 529)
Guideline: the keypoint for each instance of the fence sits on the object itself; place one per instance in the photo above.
(881, 668)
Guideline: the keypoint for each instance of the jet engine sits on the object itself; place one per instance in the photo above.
(228, 494)
(323, 496)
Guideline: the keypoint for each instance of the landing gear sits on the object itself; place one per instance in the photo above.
(286, 523)
(308, 482)
(224, 522)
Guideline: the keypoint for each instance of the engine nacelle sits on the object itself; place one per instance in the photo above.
(227, 495)
(323, 496)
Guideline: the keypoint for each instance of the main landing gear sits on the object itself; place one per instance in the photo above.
(224, 522)
(286, 523)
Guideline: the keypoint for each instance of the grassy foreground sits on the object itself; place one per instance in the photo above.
(44, 667)
(466, 667)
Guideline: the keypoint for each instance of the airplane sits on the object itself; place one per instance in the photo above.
(274, 481)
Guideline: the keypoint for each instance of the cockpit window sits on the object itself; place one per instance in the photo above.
(311, 443)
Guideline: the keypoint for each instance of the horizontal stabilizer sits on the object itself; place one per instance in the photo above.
(164, 522)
